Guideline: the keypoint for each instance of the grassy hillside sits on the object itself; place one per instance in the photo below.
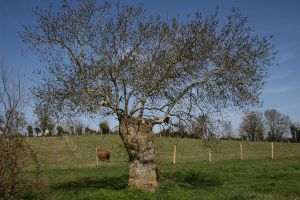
(69, 167)
(79, 151)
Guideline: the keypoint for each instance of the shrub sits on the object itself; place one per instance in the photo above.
(19, 170)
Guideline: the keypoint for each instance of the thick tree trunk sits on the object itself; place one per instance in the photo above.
(139, 142)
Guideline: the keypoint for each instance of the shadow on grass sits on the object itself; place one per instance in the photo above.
(114, 183)
(184, 179)
(193, 178)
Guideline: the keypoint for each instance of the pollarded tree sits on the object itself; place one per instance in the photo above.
(112, 59)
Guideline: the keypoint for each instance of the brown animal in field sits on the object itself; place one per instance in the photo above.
(103, 155)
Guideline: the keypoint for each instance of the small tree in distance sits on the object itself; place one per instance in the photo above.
(111, 59)
(276, 124)
(79, 128)
(228, 130)
(104, 128)
(60, 130)
(90, 131)
(37, 131)
(30, 130)
(298, 135)
(252, 126)
(201, 127)
(43, 114)
(295, 132)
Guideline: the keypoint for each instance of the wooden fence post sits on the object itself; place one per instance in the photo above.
(241, 147)
(174, 155)
(272, 144)
(74, 148)
(56, 156)
(209, 154)
(97, 160)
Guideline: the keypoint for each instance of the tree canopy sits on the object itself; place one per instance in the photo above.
(277, 124)
(113, 59)
(104, 128)
(252, 126)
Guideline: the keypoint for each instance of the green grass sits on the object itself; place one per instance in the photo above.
(72, 174)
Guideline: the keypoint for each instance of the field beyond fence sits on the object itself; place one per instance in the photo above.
(69, 166)
(60, 152)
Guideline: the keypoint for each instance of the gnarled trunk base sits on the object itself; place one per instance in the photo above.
(139, 142)
(142, 176)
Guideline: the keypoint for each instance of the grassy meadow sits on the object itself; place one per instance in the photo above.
(69, 168)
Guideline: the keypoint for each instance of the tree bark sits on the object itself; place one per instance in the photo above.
(139, 141)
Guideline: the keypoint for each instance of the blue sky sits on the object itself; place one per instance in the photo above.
(279, 18)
